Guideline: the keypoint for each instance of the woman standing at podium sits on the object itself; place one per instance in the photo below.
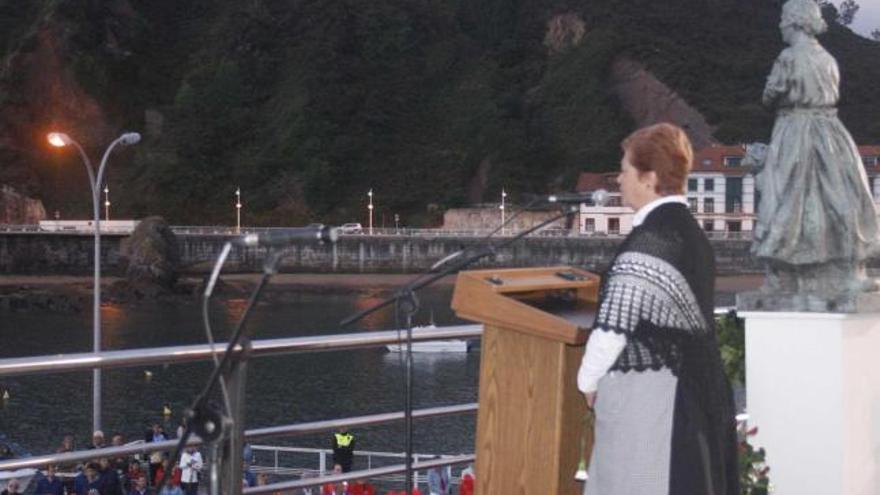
(652, 371)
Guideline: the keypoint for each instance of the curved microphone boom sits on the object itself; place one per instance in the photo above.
(598, 197)
(283, 237)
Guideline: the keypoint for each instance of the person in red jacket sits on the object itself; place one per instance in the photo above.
(174, 480)
(361, 487)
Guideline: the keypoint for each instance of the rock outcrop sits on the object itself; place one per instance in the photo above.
(151, 258)
(18, 209)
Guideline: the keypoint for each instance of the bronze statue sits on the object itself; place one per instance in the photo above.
(816, 220)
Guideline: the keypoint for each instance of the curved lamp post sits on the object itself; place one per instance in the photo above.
(370, 209)
(503, 197)
(237, 210)
(60, 140)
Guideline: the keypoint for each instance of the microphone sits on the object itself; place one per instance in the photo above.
(598, 197)
(283, 237)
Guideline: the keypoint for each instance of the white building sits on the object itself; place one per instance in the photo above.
(720, 190)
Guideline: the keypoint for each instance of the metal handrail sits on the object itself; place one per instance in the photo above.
(201, 352)
(252, 434)
(355, 475)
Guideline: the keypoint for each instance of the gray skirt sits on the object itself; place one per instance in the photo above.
(633, 434)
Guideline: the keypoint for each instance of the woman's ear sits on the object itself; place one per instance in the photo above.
(650, 180)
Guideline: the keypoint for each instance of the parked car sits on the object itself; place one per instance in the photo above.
(351, 228)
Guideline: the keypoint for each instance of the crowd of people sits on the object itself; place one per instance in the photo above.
(143, 475)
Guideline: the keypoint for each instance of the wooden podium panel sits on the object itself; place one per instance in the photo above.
(531, 416)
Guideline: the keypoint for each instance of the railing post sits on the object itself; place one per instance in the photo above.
(276, 460)
(233, 455)
(415, 473)
(322, 462)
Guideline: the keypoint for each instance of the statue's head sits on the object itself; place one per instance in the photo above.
(802, 15)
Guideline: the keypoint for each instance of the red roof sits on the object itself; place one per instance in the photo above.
(869, 150)
(591, 181)
(712, 158)
(708, 159)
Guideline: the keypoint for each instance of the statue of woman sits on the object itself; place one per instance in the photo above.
(816, 218)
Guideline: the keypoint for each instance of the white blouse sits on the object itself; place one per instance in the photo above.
(604, 347)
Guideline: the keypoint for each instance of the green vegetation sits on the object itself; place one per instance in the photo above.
(305, 105)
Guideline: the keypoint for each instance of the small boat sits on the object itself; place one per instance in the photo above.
(452, 345)
(448, 345)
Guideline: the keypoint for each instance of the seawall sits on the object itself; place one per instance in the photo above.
(71, 254)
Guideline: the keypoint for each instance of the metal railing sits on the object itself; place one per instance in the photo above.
(259, 348)
(227, 231)
(372, 459)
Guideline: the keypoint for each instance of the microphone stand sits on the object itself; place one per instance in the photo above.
(209, 421)
(408, 304)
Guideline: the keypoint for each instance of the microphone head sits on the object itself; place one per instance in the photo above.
(599, 197)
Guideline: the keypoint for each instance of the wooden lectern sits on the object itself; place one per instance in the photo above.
(530, 423)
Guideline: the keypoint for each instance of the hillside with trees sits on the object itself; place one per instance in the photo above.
(307, 104)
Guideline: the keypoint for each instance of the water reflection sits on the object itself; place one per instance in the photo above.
(233, 308)
(367, 300)
(114, 318)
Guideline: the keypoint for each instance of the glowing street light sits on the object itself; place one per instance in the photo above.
(60, 140)
(237, 210)
(503, 197)
(370, 209)
(106, 202)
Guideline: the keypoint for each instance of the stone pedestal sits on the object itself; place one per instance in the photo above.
(813, 391)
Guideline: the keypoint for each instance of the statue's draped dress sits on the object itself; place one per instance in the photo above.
(815, 204)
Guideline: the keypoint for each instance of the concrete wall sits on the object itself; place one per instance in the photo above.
(47, 254)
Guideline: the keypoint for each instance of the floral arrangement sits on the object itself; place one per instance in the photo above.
(753, 470)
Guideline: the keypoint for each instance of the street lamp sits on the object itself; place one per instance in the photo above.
(503, 196)
(370, 209)
(106, 202)
(237, 210)
(60, 140)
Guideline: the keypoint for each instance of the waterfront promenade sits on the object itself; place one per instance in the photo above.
(40, 253)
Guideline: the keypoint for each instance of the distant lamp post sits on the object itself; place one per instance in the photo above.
(237, 210)
(370, 209)
(503, 197)
(60, 140)
(106, 202)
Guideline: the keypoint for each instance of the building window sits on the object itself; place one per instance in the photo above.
(733, 194)
(708, 205)
(589, 225)
(613, 225)
(614, 201)
(732, 161)
(709, 185)
(692, 204)
(734, 226)
(709, 226)
(692, 184)
(870, 160)
(707, 162)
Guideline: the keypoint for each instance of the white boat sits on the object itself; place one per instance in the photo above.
(448, 345)
(452, 345)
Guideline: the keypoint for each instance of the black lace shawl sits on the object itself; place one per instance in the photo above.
(659, 292)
